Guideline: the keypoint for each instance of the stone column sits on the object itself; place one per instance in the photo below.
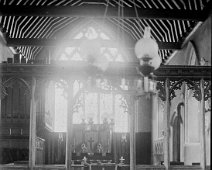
(32, 131)
(167, 126)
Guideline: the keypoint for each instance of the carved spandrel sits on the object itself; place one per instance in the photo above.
(195, 86)
(207, 90)
(161, 90)
(191, 84)
(174, 85)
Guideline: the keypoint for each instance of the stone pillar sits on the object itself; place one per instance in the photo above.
(202, 127)
(167, 126)
(32, 131)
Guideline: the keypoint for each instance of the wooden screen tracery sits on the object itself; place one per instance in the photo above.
(14, 119)
(96, 103)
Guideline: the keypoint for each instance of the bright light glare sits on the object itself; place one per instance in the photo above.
(91, 40)
(91, 111)
(60, 111)
(121, 117)
(91, 106)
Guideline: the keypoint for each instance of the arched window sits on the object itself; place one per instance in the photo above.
(108, 46)
(60, 110)
(94, 105)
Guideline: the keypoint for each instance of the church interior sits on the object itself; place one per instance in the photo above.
(105, 84)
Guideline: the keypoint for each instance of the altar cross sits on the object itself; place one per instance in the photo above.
(90, 142)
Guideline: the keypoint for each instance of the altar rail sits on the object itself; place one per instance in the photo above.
(81, 167)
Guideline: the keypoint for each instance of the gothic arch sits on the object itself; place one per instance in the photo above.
(176, 122)
(11, 81)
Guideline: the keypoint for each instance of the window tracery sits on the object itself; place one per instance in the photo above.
(97, 105)
(92, 32)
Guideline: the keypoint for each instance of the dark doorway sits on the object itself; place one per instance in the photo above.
(176, 139)
(177, 133)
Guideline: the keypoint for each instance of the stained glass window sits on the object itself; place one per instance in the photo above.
(121, 115)
(92, 106)
(96, 105)
(106, 107)
(101, 106)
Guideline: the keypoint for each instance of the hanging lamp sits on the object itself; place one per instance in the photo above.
(146, 50)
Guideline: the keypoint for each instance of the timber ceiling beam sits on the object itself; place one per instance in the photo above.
(75, 42)
(82, 69)
(98, 10)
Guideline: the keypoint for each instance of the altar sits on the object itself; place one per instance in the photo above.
(92, 142)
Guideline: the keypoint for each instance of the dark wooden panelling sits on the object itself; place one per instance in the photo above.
(14, 125)
(16, 105)
(143, 148)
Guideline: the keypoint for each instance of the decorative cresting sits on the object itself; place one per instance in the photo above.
(207, 90)
(192, 85)
(14, 81)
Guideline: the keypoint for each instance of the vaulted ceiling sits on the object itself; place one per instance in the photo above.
(32, 25)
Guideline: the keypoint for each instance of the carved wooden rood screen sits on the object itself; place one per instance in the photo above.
(95, 138)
